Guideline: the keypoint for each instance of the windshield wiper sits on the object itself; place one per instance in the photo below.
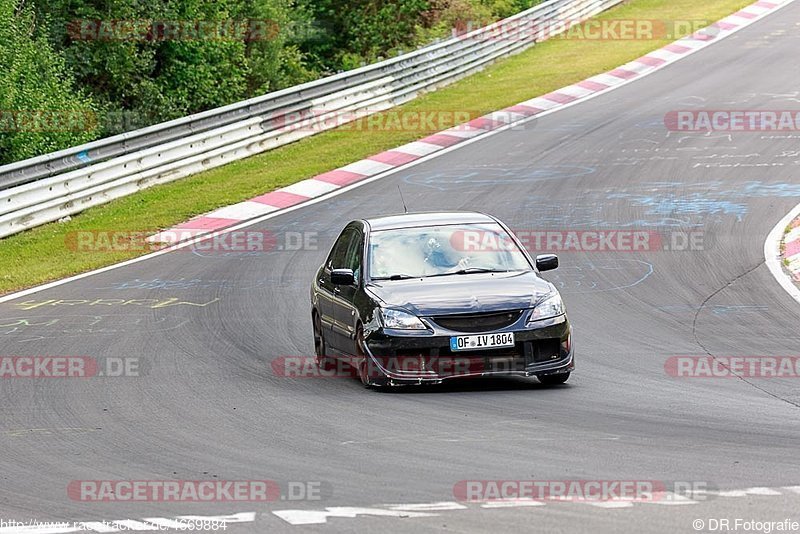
(470, 270)
(397, 276)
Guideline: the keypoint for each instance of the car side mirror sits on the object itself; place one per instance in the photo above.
(546, 262)
(343, 277)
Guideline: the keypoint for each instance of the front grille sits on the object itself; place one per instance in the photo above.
(443, 362)
(478, 322)
(489, 360)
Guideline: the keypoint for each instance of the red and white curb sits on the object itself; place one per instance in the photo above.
(325, 183)
(791, 250)
(782, 252)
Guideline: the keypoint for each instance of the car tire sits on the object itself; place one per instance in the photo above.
(553, 380)
(363, 367)
(320, 347)
(370, 378)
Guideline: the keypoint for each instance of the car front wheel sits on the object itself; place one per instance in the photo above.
(369, 375)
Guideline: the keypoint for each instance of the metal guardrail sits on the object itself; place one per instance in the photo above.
(46, 188)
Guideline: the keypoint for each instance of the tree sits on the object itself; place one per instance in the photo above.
(40, 109)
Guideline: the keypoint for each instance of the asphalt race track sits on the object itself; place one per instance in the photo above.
(208, 404)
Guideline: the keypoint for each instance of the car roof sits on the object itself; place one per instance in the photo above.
(435, 218)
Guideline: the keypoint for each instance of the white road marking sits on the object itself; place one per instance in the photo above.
(99, 526)
(673, 499)
(512, 504)
(241, 517)
(166, 523)
(749, 491)
(312, 517)
(316, 517)
(610, 504)
(132, 524)
(427, 507)
(308, 517)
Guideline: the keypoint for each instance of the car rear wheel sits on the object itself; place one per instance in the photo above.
(553, 380)
(320, 347)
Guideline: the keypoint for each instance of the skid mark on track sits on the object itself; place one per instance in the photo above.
(449, 438)
(39, 432)
(600, 276)
(721, 363)
(454, 179)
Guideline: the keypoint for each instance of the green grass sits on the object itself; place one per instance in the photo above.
(41, 254)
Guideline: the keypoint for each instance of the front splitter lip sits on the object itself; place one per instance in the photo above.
(565, 365)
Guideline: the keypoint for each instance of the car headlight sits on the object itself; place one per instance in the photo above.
(551, 306)
(401, 320)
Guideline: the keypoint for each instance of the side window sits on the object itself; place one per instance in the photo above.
(354, 253)
(339, 253)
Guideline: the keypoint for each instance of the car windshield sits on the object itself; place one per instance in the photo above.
(443, 250)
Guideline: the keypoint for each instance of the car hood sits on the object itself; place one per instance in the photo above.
(463, 293)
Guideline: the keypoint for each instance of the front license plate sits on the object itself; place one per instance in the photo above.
(482, 341)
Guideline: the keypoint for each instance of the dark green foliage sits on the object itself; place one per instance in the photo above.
(40, 111)
(139, 62)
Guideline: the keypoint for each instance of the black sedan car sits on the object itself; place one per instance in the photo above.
(420, 298)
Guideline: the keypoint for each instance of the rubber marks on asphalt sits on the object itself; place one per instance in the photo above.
(355, 172)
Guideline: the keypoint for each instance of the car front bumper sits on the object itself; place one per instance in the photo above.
(397, 357)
